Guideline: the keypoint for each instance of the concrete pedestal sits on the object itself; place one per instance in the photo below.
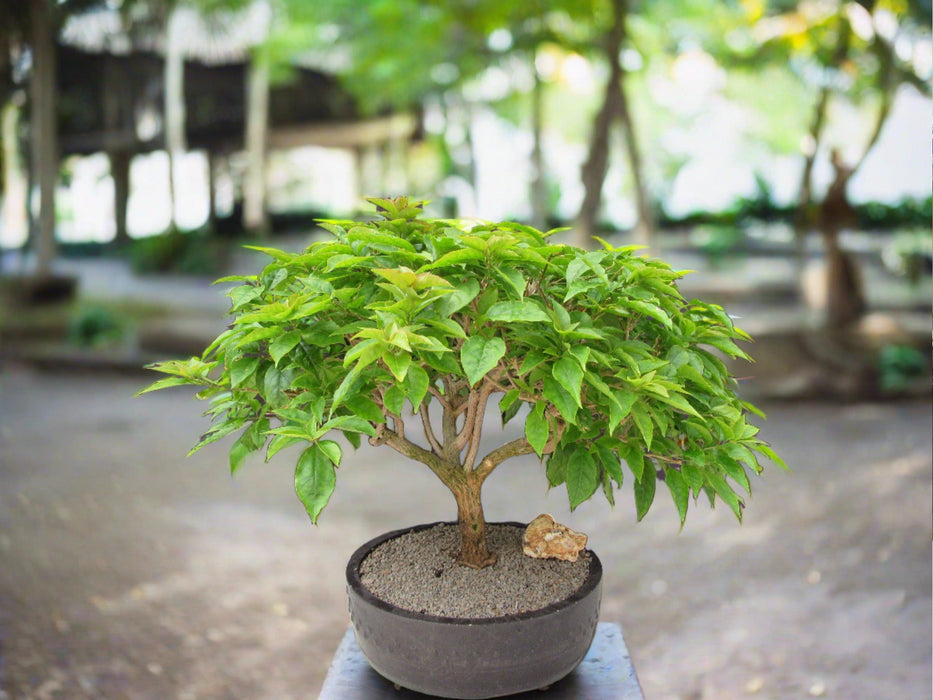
(606, 673)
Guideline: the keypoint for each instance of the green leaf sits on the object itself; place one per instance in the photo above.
(463, 294)
(680, 403)
(332, 450)
(394, 400)
(284, 344)
(736, 471)
(531, 360)
(242, 295)
(562, 400)
(416, 385)
(215, 433)
(242, 369)
(455, 257)
(607, 488)
(509, 399)
(634, 457)
(512, 279)
(238, 452)
(770, 454)
(479, 355)
(651, 310)
(620, 408)
(365, 408)
(274, 384)
(609, 460)
(537, 429)
(279, 443)
(352, 424)
(398, 363)
(557, 467)
(516, 311)
(569, 375)
(165, 383)
(644, 423)
(582, 476)
(315, 479)
(345, 386)
(511, 410)
(725, 492)
(680, 492)
(644, 490)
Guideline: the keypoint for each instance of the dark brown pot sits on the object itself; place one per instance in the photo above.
(472, 658)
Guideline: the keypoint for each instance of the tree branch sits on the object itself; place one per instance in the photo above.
(439, 396)
(429, 430)
(479, 415)
(397, 423)
(521, 446)
(445, 471)
(467, 431)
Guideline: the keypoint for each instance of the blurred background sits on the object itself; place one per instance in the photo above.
(780, 149)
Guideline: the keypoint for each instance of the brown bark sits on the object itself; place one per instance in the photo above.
(474, 551)
(596, 166)
(255, 218)
(597, 162)
(539, 207)
(120, 172)
(644, 227)
(44, 132)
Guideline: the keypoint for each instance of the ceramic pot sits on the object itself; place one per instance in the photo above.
(472, 658)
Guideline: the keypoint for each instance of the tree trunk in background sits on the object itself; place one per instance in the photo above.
(211, 191)
(597, 162)
(539, 204)
(174, 78)
(255, 220)
(14, 223)
(120, 172)
(802, 214)
(44, 132)
(644, 227)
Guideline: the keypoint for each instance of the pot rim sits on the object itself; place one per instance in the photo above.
(354, 581)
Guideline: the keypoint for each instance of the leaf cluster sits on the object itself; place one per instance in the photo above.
(597, 352)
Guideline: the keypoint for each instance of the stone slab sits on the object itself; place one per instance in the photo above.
(606, 673)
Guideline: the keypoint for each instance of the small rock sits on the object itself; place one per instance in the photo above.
(755, 684)
(814, 577)
(546, 539)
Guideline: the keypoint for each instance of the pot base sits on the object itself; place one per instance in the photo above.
(470, 659)
(606, 673)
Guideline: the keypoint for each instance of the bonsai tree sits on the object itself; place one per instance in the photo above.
(404, 320)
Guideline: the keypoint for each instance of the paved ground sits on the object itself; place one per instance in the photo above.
(130, 572)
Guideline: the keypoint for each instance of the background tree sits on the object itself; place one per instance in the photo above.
(858, 53)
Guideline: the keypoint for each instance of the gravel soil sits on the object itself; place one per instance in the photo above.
(417, 571)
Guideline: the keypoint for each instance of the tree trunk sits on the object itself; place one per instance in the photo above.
(255, 219)
(597, 162)
(14, 221)
(474, 552)
(211, 190)
(539, 207)
(802, 214)
(44, 132)
(174, 78)
(644, 227)
(120, 172)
